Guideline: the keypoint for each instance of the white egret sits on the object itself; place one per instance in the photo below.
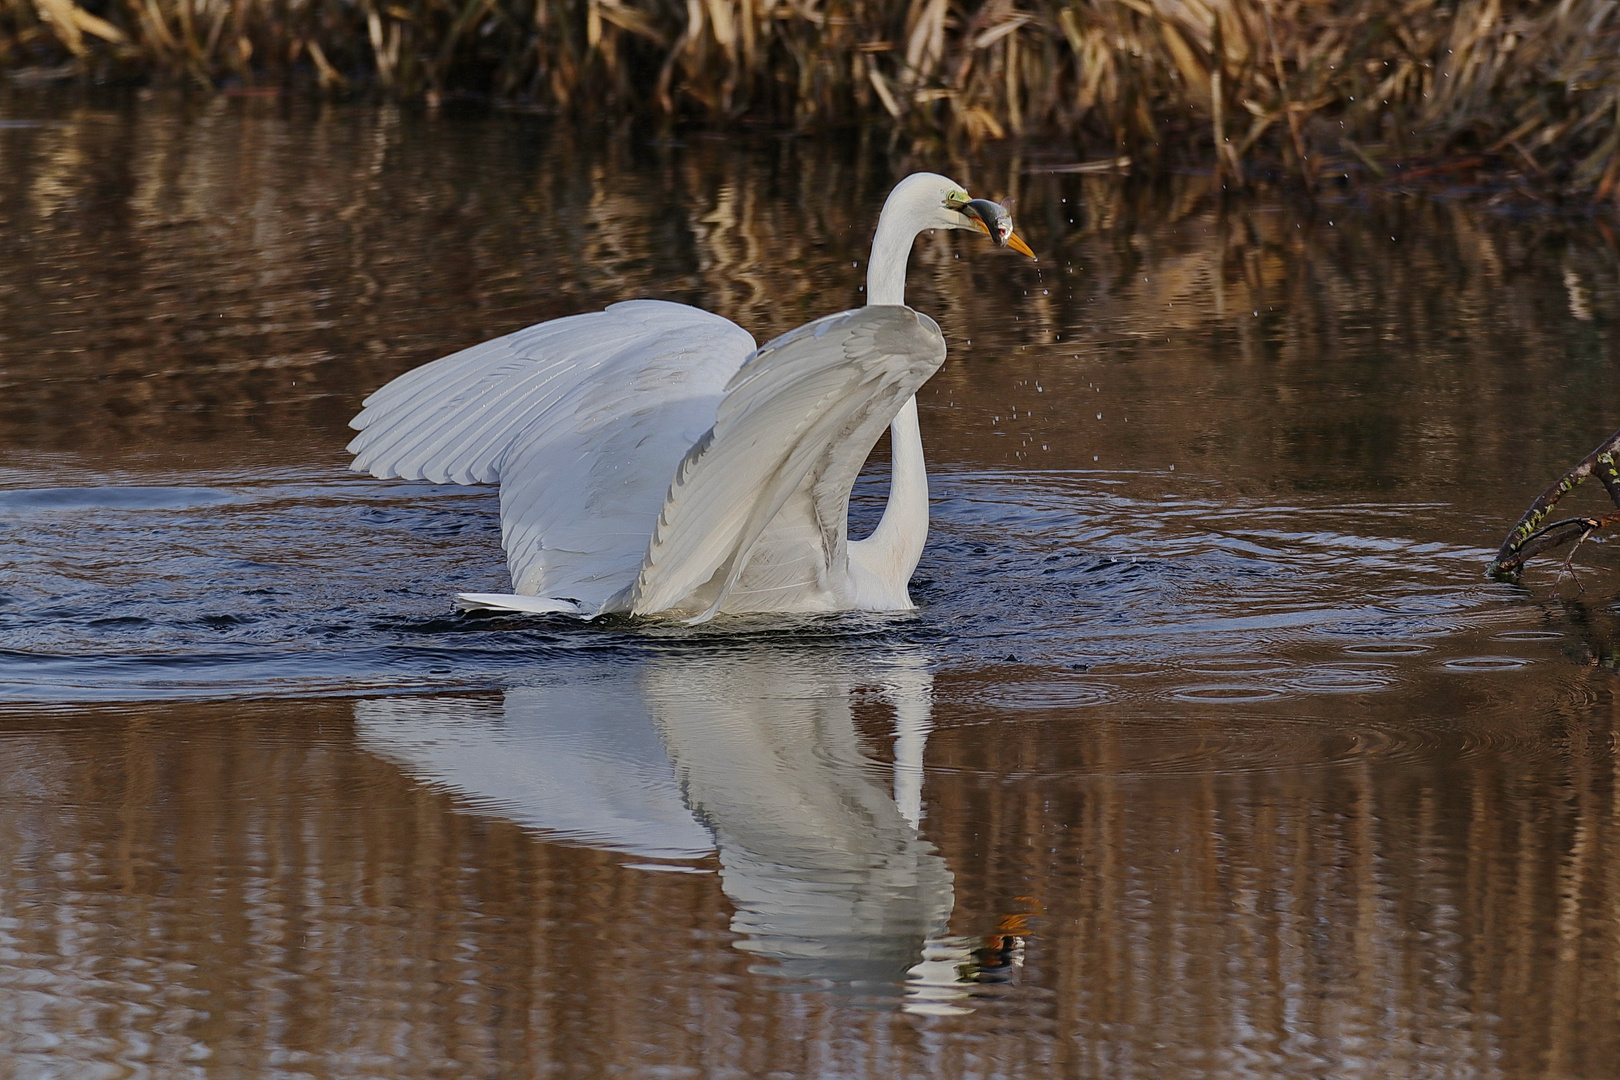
(652, 460)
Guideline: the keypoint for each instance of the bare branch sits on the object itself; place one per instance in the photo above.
(1529, 537)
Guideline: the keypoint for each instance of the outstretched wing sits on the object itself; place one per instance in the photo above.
(581, 420)
(757, 513)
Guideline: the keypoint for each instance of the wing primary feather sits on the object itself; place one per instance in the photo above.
(582, 421)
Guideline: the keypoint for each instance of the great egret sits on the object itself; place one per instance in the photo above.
(651, 459)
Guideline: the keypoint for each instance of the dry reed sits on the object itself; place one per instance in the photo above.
(1364, 87)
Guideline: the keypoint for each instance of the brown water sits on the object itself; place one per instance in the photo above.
(1210, 752)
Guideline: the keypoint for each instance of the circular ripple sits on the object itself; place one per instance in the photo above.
(1486, 663)
(1234, 666)
(1343, 678)
(1388, 648)
(1046, 694)
(1226, 694)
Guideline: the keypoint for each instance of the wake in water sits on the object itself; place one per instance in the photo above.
(291, 583)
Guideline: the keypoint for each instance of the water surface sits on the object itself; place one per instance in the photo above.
(1209, 752)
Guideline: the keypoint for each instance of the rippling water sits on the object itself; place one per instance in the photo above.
(1209, 751)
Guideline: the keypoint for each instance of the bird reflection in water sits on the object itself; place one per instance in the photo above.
(754, 757)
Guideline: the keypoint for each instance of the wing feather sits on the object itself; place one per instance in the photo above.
(755, 518)
(582, 420)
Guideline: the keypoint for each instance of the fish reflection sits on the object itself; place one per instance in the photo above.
(755, 758)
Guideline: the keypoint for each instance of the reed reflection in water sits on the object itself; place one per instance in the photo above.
(236, 277)
(264, 891)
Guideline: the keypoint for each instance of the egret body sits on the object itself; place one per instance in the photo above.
(652, 460)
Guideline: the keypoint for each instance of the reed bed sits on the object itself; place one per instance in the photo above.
(1313, 87)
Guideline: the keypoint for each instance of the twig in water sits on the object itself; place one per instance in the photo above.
(1569, 560)
(1530, 537)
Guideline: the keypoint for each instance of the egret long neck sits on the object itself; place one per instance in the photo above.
(891, 248)
(896, 545)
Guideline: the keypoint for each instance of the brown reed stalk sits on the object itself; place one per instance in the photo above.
(1364, 87)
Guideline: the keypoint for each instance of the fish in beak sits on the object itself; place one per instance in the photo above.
(995, 221)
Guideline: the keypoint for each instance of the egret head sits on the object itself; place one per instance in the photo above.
(920, 202)
(931, 201)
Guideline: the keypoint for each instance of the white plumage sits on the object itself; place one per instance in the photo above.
(652, 460)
